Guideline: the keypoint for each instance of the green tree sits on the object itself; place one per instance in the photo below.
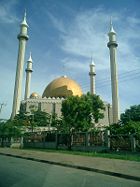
(129, 123)
(21, 119)
(56, 122)
(131, 127)
(9, 129)
(41, 118)
(97, 106)
(78, 113)
(132, 114)
(33, 119)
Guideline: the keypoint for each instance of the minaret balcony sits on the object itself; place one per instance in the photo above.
(23, 36)
(92, 73)
(112, 43)
(29, 70)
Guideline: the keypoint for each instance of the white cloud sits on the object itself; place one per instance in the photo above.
(75, 64)
(86, 36)
(133, 21)
(6, 13)
(57, 23)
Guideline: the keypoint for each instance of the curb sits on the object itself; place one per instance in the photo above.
(115, 174)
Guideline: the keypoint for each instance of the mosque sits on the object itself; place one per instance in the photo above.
(57, 90)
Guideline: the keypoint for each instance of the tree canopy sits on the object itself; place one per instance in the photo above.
(129, 123)
(9, 129)
(41, 118)
(78, 112)
(132, 114)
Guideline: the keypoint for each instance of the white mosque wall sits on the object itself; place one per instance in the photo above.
(108, 118)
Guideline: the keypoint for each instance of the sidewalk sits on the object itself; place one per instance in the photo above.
(114, 167)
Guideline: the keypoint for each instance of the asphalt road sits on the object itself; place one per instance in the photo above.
(15, 172)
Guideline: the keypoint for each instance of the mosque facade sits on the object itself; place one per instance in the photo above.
(59, 89)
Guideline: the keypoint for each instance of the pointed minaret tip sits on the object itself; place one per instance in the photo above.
(111, 26)
(30, 58)
(24, 15)
(92, 61)
(24, 22)
(110, 21)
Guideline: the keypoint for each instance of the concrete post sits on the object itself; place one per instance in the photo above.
(21, 142)
(133, 143)
(56, 140)
(107, 139)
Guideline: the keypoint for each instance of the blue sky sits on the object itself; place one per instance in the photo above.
(64, 34)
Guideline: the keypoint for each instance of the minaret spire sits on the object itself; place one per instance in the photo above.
(30, 57)
(24, 21)
(22, 37)
(111, 26)
(92, 76)
(28, 77)
(112, 45)
(25, 14)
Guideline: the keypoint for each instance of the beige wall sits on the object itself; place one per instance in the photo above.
(47, 105)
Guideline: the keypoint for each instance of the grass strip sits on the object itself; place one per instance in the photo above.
(111, 155)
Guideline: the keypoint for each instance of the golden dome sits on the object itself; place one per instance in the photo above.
(34, 95)
(62, 87)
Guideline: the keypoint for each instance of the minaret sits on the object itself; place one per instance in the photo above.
(22, 37)
(28, 77)
(92, 77)
(112, 45)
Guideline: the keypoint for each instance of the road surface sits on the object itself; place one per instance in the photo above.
(16, 172)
